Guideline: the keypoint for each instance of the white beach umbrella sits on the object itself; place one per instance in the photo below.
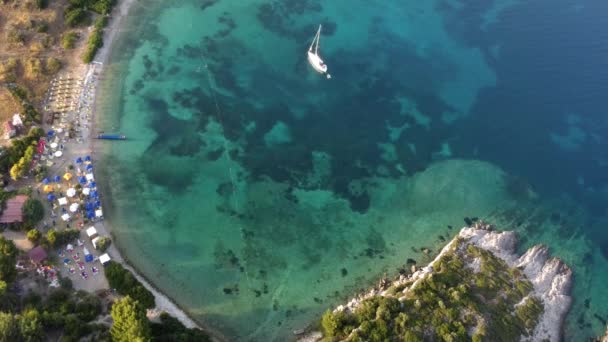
(62, 201)
(71, 192)
(54, 145)
(90, 177)
(58, 154)
(65, 217)
(74, 207)
(86, 191)
(98, 213)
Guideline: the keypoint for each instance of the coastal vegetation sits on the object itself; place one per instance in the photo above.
(126, 284)
(470, 295)
(95, 40)
(130, 321)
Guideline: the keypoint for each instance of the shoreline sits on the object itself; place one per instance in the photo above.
(163, 302)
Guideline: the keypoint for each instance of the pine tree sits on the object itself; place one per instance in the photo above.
(130, 321)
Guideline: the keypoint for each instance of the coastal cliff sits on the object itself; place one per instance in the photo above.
(476, 288)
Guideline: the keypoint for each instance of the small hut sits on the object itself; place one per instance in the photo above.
(37, 255)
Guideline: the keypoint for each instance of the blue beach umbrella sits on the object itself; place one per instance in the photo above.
(45, 181)
(57, 179)
(66, 261)
(50, 197)
(82, 180)
(97, 204)
(50, 133)
(88, 258)
(90, 214)
(93, 184)
(87, 158)
(89, 167)
(78, 160)
(93, 194)
(89, 206)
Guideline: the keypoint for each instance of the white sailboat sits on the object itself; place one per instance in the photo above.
(313, 55)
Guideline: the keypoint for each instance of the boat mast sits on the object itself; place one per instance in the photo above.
(318, 40)
(315, 41)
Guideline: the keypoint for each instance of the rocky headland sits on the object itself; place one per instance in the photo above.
(477, 288)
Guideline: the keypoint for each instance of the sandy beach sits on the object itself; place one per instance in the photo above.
(163, 303)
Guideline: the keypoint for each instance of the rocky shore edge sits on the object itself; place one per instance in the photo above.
(550, 277)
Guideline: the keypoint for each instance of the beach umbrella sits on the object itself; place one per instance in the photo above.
(90, 214)
(71, 192)
(67, 176)
(94, 194)
(45, 181)
(65, 217)
(56, 179)
(69, 247)
(54, 145)
(50, 197)
(66, 261)
(86, 191)
(58, 153)
(89, 167)
(62, 201)
(47, 188)
(98, 212)
(78, 160)
(97, 204)
(89, 206)
(92, 184)
(88, 258)
(90, 177)
(50, 133)
(74, 207)
(82, 180)
(87, 158)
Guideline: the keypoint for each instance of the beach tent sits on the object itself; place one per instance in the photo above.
(98, 212)
(56, 179)
(47, 188)
(62, 201)
(50, 197)
(104, 259)
(65, 217)
(90, 177)
(86, 191)
(74, 207)
(88, 257)
(46, 181)
(82, 180)
(67, 176)
(71, 192)
(92, 232)
(78, 160)
(95, 241)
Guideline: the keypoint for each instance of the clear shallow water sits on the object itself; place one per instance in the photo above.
(298, 191)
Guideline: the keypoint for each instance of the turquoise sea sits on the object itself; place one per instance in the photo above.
(257, 194)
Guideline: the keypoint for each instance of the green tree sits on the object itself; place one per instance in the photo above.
(75, 17)
(33, 212)
(34, 235)
(130, 321)
(9, 328)
(51, 236)
(8, 257)
(30, 326)
(68, 40)
(103, 243)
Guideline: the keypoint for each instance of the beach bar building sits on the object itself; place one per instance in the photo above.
(91, 233)
(13, 212)
(104, 259)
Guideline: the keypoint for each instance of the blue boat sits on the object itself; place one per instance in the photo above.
(112, 137)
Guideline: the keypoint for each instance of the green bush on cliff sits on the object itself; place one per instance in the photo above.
(126, 284)
(446, 305)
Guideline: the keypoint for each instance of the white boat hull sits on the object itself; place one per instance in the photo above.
(317, 63)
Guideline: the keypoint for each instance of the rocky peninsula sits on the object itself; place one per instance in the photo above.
(476, 288)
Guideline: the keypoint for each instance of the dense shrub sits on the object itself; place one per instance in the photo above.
(126, 284)
(170, 329)
(75, 17)
(34, 235)
(103, 243)
(68, 40)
